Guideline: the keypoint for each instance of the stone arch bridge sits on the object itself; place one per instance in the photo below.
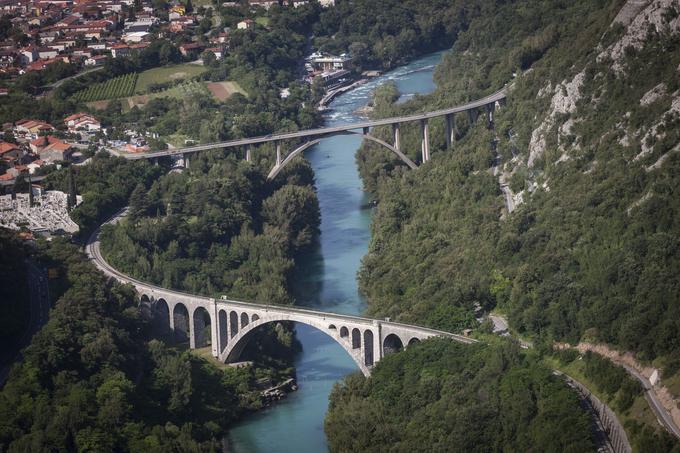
(311, 137)
(226, 325)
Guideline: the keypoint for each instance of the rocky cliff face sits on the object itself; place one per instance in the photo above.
(647, 106)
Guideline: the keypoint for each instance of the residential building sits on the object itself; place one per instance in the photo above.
(82, 121)
(52, 149)
(245, 24)
(32, 127)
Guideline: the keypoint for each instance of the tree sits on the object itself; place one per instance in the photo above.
(139, 203)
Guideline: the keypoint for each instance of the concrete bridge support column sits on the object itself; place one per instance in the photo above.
(185, 158)
(472, 116)
(425, 144)
(171, 311)
(192, 326)
(377, 344)
(249, 157)
(450, 130)
(367, 130)
(214, 328)
(489, 111)
(278, 153)
(397, 138)
(155, 161)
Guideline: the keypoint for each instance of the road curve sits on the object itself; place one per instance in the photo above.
(93, 251)
(326, 131)
(659, 410)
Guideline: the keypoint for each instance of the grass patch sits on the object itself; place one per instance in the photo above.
(167, 74)
(178, 92)
(262, 20)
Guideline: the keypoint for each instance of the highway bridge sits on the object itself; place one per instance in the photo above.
(227, 325)
(311, 136)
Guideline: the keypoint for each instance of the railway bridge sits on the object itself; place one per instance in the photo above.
(311, 137)
(227, 325)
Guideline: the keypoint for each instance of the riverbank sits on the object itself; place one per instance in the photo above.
(326, 276)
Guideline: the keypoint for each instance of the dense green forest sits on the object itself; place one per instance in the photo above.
(93, 379)
(386, 33)
(14, 315)
(443, 396)
(218, 228)
(591, 249)
(105, 184)
(587, 139)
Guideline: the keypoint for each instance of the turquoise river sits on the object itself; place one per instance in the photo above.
(326, 278)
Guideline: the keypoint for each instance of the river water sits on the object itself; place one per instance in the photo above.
(326, 278)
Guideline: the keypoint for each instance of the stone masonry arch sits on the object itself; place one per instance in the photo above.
(238, 342)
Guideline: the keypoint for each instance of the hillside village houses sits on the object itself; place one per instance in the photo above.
(87, 33)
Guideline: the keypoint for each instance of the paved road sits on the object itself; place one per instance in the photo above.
(662, 415)
(326, 131)
(39, 308)
(58, 83)
(659, 410)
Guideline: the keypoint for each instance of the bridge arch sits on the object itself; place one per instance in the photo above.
(244, 319)
(363, 359)
(368, 347)
(391, 344)
(202, 322)
(161, 315)
(180, 318)
(344, 333)
(222, 329)
(356, 338)
(233, 324)
(300, 149)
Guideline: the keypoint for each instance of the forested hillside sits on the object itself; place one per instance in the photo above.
(563, 214)
(442, 396)
(218, 228)
(586, 148)
(93, 379)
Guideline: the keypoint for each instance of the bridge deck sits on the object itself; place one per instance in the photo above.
(94, 252)
(319, 132)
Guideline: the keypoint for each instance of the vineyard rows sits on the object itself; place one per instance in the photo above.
(119, 87)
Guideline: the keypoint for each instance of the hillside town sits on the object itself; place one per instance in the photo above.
(75, 37)
(87, 32)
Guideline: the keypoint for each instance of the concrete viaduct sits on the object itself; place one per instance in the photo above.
(226, 325)
(311, 137)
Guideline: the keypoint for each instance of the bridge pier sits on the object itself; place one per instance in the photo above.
(185, 158)
(489, 111)
(214, 329)
(450, 130)
(396, 134)
(155, 161)
(278, 153)
(472, 116)
(425, 144)
(249, 156)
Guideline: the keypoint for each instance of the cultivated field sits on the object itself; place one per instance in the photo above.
(118, 87)
(219, 90)
(167, 74)
(222, 90)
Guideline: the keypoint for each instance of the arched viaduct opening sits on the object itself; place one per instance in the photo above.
(161, 316)
(202, 328)
(180, 316)
(391, 344)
